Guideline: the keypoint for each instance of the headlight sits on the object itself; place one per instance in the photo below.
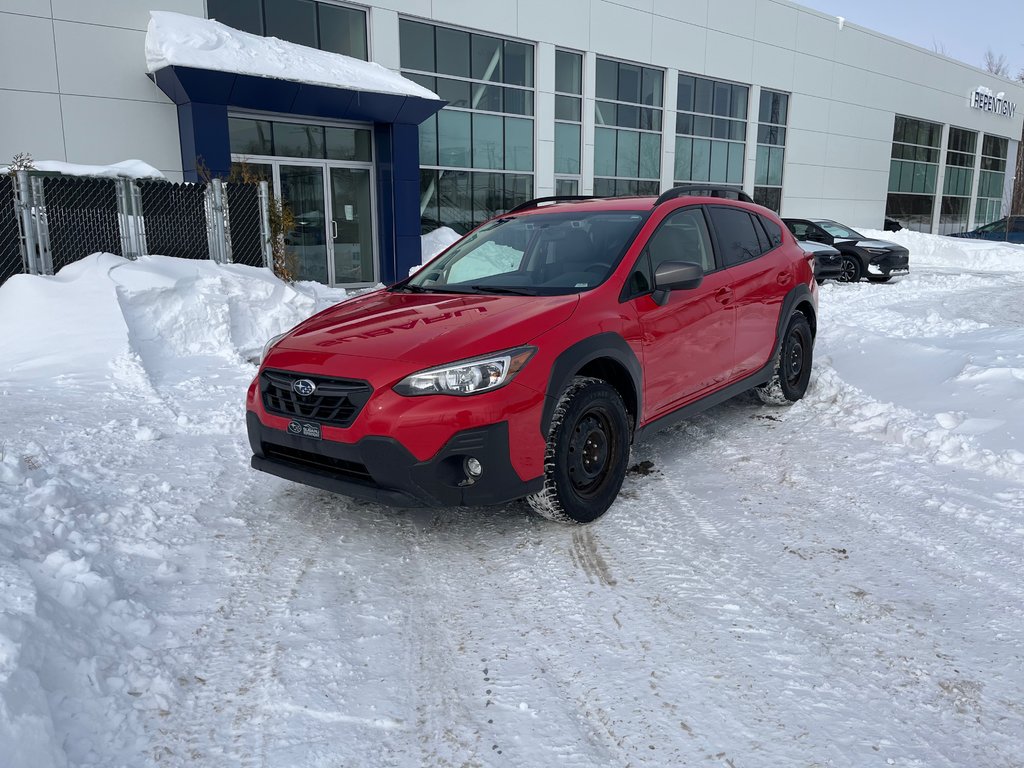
(877, 251)
(269, 344)
(467, 377)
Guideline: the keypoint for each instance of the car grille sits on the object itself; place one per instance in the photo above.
(336, 402)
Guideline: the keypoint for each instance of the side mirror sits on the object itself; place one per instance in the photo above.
(675, 276)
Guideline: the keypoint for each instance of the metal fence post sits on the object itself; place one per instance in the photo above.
(27, 225)
(42, 226)
(220, 231)
(265, 236)
(139, 230)
(124, 219)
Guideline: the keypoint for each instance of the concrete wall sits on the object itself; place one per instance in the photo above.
(73, 83)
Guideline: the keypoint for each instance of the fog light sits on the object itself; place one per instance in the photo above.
(473, 467)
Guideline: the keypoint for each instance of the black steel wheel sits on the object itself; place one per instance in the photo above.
(793, 369)
(587, 454)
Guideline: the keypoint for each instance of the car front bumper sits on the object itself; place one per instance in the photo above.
(382, 470)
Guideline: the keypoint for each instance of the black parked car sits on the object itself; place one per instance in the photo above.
(1009, 229)
(828, 262)
(877, 260)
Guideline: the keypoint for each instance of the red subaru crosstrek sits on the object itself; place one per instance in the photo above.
(524, 360)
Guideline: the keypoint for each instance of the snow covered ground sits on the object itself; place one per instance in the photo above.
(833, 584)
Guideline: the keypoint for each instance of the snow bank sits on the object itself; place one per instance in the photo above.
(954, 252)
(433, 243)
(175, 39)
(132, 169)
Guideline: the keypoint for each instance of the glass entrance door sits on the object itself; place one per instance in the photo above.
(351, 229)
(302, 188)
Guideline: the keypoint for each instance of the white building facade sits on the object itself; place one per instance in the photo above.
(810, 116)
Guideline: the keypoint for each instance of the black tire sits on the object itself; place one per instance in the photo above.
(587, 453)
(793, 366)
(850, 270)
(879, 278)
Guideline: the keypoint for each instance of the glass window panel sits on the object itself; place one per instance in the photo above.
(627, 154)
(605, 113)
(684, 93)
(568, 108)
(738, 130)
(488, 196)
(430, 217)
(628, 116)
(518, 144)
(453, 138)
(652, 87)
(701, 167)
(455, 202)
(568, 72)
(701, 126)
(294, 140)
(350, 144)
(607, 79)
(775, 157)
(650, 156)
(650, 119)
(250, 137)
(735, 172)
(428, 141)
(761, 166)
(353, 225)
(720, 128)
(488, 142)
(629, 83)
(719, 162)
(455, 92)
(567, 186)
(769, 197)
(604, 152)
(738, 108)
(417, 45)
(518, 189)
(518, 64)
(518, 102)
(452, 52)
(303, 188)
(567, 148)
(246, 15)
(684, 124)
(931, 172)
(247, 172)
(684, 149)
(291, 20)
(604, 187)
(648, 188)
(428, 82)
(487, 97)
(704, 96)
(486, 52)
(722, 99)
(342, 30)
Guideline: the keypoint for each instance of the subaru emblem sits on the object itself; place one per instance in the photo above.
(303, 387)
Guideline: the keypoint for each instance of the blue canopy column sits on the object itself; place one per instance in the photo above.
(204, 96)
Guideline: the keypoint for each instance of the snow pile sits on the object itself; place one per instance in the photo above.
(954, 252)
(433, 243)
(175, 39)
(131, 169)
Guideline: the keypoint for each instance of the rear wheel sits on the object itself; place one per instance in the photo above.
(793, 369)
(587, 453)
(850, 271)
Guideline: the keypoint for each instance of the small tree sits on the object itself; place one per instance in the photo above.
(22, 161)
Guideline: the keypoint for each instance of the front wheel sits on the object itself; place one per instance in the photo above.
(587, 453)
(849, 270)
(793, 369)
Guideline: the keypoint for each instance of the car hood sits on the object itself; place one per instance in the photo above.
(865, 243)
(428, 329)
(818, 249)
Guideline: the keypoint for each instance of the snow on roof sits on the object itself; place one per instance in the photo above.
(175, 39)
(132, 169)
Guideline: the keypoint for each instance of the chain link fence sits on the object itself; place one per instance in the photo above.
(11, 261)
(49, 222)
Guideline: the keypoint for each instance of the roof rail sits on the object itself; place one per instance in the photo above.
(536, 203)
(704, 190)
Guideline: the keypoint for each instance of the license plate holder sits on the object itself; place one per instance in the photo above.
(307, 429)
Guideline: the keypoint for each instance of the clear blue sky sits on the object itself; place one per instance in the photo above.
(965, 29)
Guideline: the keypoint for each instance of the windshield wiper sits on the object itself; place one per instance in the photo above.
(505, 289)
(412, 288)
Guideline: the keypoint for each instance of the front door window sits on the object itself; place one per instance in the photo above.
(352, 225)
(302, 188)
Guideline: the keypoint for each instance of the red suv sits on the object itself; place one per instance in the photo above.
(524, 360)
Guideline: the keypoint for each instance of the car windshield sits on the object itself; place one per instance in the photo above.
(995, 226)
(836, 229)
(540, 254)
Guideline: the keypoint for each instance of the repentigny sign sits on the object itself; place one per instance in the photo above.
(986, 101)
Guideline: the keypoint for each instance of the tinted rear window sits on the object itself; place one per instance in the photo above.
(736, 234)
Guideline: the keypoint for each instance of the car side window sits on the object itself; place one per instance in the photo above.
(773, 230)
(800, 229)
(682, 236)
(737, 237)
(1018, 224)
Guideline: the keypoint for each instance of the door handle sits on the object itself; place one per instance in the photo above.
(334, 229)
(724, 295)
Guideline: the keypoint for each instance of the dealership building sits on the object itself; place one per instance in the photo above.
(809, 115)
